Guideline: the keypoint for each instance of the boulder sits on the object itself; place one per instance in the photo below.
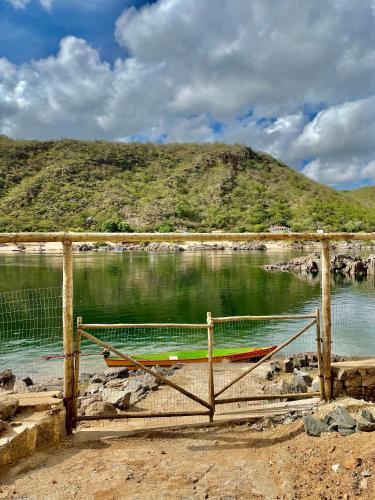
(313, 426)
(99, 409)
(8, 407)
(340, 419)
(93, 389)
(367, 415)
(300, 376)
(116, 384)
(83, 403)
(365, 425)
(6, 378)
(98, 378)
(27, 381)
(20, 386)
(120, 372)
(120, 399)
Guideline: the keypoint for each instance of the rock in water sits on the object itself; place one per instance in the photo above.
(99, 409)
(8, 407)
(313, 426)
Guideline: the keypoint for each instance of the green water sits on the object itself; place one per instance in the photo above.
(177, 287)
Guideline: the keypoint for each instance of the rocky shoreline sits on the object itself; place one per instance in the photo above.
(345, 264)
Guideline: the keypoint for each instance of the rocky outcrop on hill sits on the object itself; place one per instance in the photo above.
(350, 265)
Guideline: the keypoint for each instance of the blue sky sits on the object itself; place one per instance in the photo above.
(295, 79)
(34, 32)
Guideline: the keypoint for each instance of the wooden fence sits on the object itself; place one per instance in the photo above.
(210, 401)
(68, 238)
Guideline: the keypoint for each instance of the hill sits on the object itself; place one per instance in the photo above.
(78, 185)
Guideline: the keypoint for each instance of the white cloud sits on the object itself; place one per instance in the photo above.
(22, 4)
(187, 64)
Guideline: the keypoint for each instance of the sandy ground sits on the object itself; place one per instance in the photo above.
(227, 463)
(11, 248)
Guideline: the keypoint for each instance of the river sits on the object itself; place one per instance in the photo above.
(170, 287)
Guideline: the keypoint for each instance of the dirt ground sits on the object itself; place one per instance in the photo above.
(219, 463)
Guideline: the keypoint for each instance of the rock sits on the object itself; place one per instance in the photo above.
(367, 415)
(6, 378)
(120, 399)
(20, 386)
(305, 377)
(366, 473)
(159, 370)
(83, 403)
(340, 418)
(249, 245)
(313, 426)
(85, 247)
(121, 372)
(3, 426)
(93, 389)
(100, 408)
(98, 378)
(265, 370)
(287, 365)
(8, 407)
(27, 381)
(353, 463)
(365, 425)
(335, 467)
(345, 432)
(116, 384)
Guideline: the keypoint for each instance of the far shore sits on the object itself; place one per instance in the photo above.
(56, 247)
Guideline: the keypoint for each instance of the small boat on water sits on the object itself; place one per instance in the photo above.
(229, 355)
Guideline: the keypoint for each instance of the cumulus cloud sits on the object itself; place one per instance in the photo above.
(255, 67)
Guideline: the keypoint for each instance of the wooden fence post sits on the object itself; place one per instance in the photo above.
(68, 333)
(76, 373)
(211, 387)
(326, 319)
(319, 354)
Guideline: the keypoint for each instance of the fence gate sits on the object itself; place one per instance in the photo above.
(183, 370)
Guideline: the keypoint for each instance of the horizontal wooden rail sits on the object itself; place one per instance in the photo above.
(146, 415)
(292, 395)
(263, 318)
(146, 369)
(267, 356)
(201, 237)
(98, 326)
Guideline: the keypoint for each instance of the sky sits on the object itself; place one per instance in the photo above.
(293, 78)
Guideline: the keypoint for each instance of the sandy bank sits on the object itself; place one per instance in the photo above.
(56, 247)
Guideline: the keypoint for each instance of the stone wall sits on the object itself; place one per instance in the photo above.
(355, 379)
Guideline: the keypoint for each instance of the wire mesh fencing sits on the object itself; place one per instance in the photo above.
(353, 319)
(127, 387)
(270, 379)
(176, 352)
(31, 340)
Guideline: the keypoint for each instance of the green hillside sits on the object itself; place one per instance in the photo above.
(75, 185)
